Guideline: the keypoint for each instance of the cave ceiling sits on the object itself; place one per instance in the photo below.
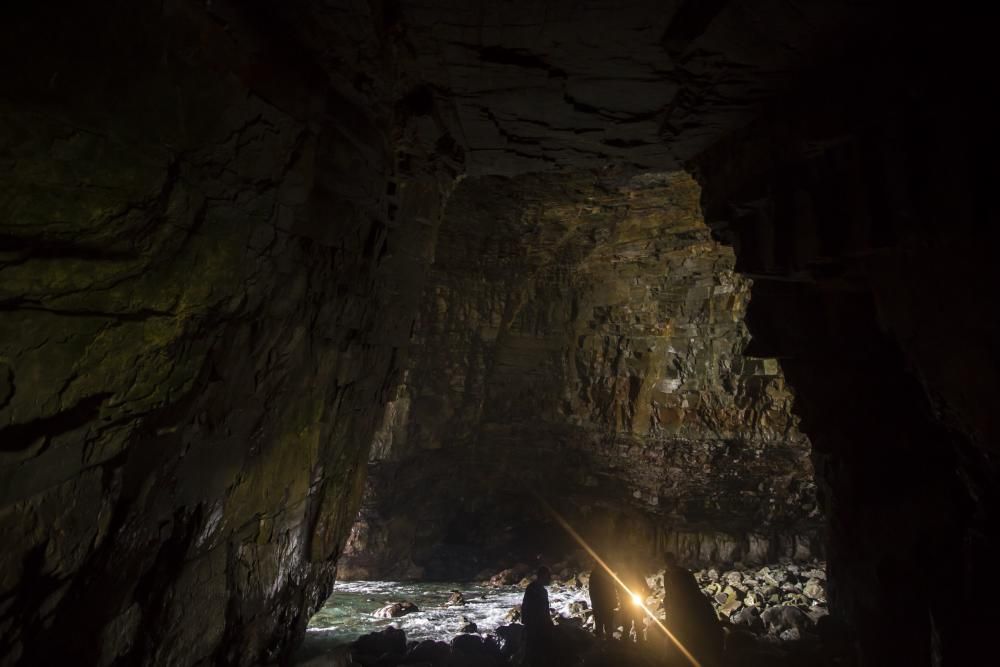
(540, 86)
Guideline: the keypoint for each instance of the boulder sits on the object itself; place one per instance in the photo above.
(391, 641)
(429, 651)
(779, 619)
(503, 578)
(748, 617)
(814, 589)
(474, 651)
(731, 604)
(817, 613)
(569, 621)
(396, 609)
(737, 591)
(513, 615)
(510, 638)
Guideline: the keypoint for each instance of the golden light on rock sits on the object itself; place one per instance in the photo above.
(600, 562)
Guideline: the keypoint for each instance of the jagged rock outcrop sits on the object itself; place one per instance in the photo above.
(194, 225)
(858, 205)
(215, 224)
(582, 338)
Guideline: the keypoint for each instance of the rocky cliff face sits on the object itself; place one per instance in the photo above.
(858, 206)
(582, 338)
(194, 221)
(216, 221)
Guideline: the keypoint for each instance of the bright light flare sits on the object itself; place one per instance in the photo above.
(635, 596)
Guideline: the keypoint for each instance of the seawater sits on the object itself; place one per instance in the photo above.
(348, 613)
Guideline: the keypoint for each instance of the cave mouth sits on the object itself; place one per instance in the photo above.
(580, 350)
(231, 234)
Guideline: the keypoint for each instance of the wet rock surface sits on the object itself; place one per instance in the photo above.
(396, 609)
(194, 222)
(773, 623)
(583, 339)
(771, 599)
(216, 220)
(767, 619)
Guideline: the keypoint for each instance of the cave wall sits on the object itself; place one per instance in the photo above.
(215, 222)
(859, 205)
(198, 212)
(581, 337)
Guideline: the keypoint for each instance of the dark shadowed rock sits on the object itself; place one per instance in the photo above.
(750, 618)
(473, 650)
(503, 578)
(511, 638)
(391, 641)
(779, 619)
(433, 652)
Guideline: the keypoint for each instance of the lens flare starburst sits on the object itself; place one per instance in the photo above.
(636, 599)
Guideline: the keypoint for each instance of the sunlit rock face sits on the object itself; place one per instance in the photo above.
(193, 221)
(582, 338)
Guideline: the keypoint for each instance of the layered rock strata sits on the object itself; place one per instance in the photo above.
(582, 338)
(215, 222)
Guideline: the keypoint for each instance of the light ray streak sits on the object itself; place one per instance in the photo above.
(634, 597)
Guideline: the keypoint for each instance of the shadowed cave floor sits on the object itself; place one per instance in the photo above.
(772, 615)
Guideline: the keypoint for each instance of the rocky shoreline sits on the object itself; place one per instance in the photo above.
(772, 615)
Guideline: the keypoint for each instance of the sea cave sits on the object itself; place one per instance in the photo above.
(333, 331)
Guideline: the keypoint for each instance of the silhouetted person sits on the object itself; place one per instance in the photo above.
(537, 622)
(633, 601)
(603, 600)
(690, 615)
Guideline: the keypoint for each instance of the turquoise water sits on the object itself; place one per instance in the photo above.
(348, 613)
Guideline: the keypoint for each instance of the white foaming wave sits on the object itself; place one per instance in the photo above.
(348, 613)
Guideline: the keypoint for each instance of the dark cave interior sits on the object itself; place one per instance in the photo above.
(304, 291)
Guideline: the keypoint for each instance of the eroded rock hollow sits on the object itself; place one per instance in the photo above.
(582, 339)
(650, 255)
